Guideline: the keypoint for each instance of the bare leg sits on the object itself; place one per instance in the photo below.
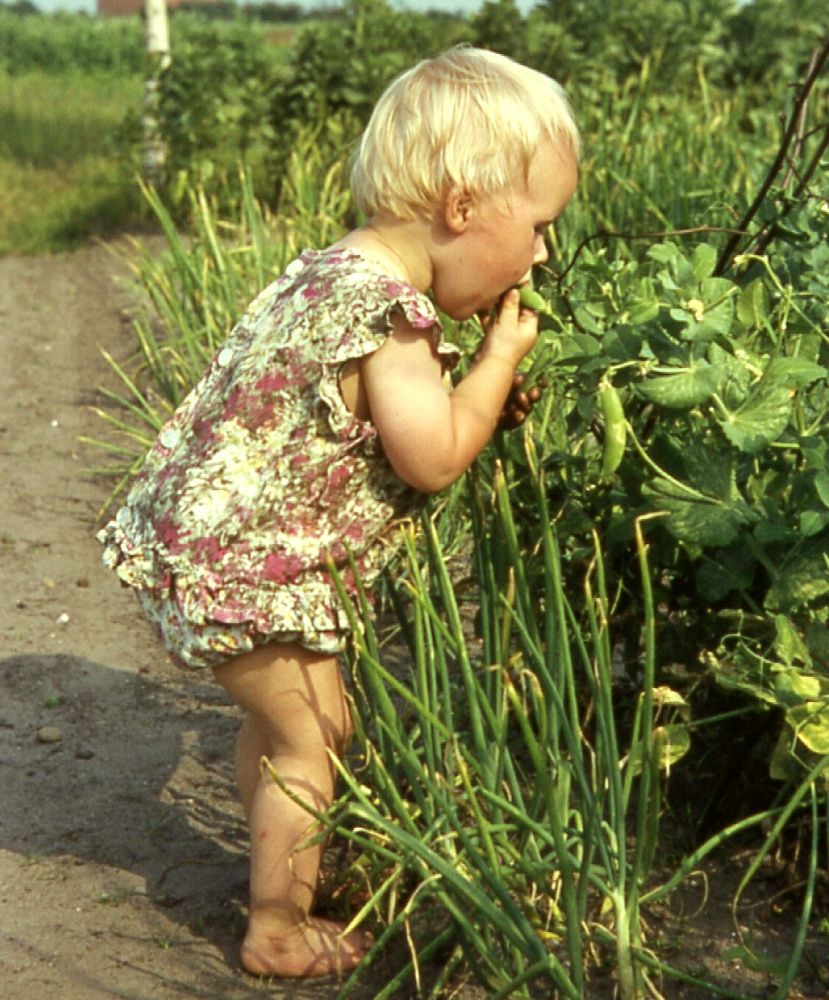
(297, 711)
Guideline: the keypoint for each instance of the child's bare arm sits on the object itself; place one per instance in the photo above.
(430, 435)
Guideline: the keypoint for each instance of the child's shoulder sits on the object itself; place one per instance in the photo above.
(347, 280)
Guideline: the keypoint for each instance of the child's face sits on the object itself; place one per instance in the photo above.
(504, 236)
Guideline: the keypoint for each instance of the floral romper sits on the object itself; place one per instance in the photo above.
(262, 473)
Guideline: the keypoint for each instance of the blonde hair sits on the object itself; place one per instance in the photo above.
(469, 118)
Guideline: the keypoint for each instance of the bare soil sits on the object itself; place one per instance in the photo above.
(123, 859)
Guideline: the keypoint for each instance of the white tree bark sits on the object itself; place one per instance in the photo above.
(157, 47)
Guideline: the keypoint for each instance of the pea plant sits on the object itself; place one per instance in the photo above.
(689, 382)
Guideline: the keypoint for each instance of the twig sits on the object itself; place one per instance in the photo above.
(792, 134)
(607, 234)
(611, 235)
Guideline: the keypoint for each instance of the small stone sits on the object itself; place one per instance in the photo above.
(85, 754)
(49, 734)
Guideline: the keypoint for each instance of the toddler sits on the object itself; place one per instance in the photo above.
(327, 416)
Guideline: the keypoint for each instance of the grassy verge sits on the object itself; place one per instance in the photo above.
(63, 176)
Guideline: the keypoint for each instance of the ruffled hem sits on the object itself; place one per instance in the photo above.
(310, 606)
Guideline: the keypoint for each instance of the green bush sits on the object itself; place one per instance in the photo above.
(62, 43)
(212, 106)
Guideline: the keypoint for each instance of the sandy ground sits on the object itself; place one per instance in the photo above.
(122, 849)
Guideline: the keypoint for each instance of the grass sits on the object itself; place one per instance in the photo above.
(67, 135)
(62, 176)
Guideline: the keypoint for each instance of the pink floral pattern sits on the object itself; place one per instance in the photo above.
(263, 472)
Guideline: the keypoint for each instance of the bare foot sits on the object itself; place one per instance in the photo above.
(315, 948)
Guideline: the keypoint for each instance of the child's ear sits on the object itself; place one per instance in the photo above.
(458, 207)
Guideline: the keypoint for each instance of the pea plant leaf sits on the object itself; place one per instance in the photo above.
(810, 722)
(804, 738)
(794, 687)
(694, 517)
(729, 569)
(670, 744)
(687, 388)
(753, 304)
(761, 419)
(622, 343)
(644, 305)
(795, 371)
(704, 260)
(800, 579)
(711, 471)
(708, 312)
(822, 487)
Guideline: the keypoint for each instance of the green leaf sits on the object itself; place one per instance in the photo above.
(789, 645)
(799, 371)
(665, 253)
(793, 687)
(622, 344)
(711, 471)
(708, 310)
(753, 304)
(698, 520)
(811, 724)
(670, 744)
(759, 421)
(799, 580)
(783, 766)
(644, 303)
(705, 260)
(822, 487)
(730, 569)
(586, 321)
(814, 450)
(684, 390)
(812, 522)
(581, 344)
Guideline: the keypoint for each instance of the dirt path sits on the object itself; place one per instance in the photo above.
(122, 864)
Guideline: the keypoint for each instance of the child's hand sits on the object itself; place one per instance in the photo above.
(430, 436)
(511, 332)
(519, 404)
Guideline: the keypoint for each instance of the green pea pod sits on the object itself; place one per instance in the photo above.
(530, 299)
(614, 429)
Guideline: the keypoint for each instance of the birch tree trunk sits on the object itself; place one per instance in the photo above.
(157, 46)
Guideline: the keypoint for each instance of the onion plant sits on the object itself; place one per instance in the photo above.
(494, 796)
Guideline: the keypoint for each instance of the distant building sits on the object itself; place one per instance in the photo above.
(124, 8)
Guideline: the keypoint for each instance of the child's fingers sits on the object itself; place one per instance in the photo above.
(519, 404)
(513, 316)
(510, 300)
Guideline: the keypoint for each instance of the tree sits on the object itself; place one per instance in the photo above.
(157, 44)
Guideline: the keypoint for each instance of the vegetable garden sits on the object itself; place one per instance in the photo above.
(633, 583)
